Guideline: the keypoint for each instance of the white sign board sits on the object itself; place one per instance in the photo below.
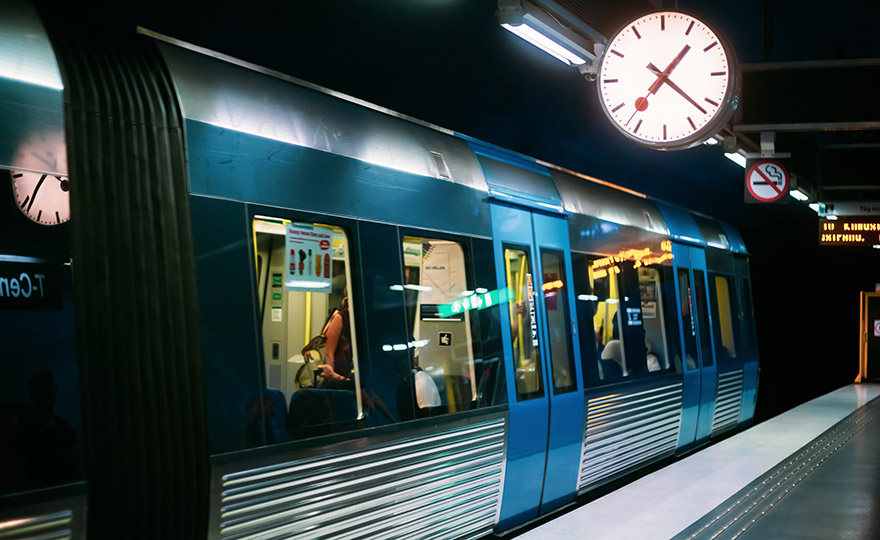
(307, 257)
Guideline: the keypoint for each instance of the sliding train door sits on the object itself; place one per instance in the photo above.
(543, 368)
(700, 378)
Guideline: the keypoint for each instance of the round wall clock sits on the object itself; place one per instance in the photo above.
(668, 81)
(43, 197)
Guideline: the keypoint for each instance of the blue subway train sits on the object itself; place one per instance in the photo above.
(238, 305)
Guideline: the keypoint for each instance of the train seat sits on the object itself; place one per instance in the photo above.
(314, 406)
(279, 419)
(611, 358)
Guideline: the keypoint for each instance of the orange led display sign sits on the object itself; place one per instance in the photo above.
(850, 231)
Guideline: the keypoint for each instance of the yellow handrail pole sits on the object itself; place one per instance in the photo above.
(521, 278)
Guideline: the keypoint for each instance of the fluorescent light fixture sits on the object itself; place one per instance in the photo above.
(588, 297)
(711, 141)
(831, 217)
(876, 246)
(737, 158)
(544, 43)
(814, 207)
(799, 195)
(612, 301)
(396, 287)
(480, 290)
(421, 288)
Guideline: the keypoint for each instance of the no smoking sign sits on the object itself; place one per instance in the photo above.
(767, 181)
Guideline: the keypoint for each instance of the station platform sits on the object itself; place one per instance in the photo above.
(811, 472)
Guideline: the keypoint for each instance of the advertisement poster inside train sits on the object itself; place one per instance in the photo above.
(307, 257)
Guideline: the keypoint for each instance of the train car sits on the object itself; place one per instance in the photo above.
(238, 305)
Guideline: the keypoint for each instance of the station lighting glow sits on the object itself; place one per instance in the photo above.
(799, 195)
(876, 246)
(814, 207)
(544, 43)
(737, 158)
(831, 217)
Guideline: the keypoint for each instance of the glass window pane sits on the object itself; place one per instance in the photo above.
(724, 308)
(703, 314)
(604, 277)
(442, 350)
(687, 319)
(654, 319)
(557, 319)
(523, 324)
(309, 349)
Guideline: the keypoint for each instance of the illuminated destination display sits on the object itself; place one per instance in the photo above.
(850, 231)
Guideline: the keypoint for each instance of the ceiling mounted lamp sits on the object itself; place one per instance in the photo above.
(571, 44)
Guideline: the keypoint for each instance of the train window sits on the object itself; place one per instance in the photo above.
(523, 323)
(557, 320)
(654, 319)
(310, 351)
(40, 417)
(703, 314)
(605, 282)
(441, 344)
(723, 308)
(687, 319)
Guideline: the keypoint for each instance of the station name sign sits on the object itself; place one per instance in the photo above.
(850, 231)
(29, 286)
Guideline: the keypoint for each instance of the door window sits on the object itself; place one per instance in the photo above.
(523, 323)
(703, 314)
(689, 324)
(557, 319)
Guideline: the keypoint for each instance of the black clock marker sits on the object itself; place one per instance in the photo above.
(40, 213)
(636, 130)
(17, 175)
(709, 101)
(57, 217)
(718, 73)
(610, 80)
(692, 123)
(710, 46)
(636, 32)
(617, 53)
(662, 22)
(25, 201)
(615, 109)
(688, 31)
(664, 132)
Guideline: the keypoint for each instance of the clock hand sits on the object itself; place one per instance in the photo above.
(656, 71)
(642, 102)
(34, 194)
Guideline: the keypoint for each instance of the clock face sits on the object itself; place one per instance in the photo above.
(42, 196)
(668, 81)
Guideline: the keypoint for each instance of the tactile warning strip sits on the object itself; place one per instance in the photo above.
(734, 516)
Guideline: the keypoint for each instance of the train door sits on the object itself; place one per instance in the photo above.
(698, 401)
(544, 382)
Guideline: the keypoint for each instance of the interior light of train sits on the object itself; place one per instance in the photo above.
(876, 246)
(588, 297)
(552, 285)
(814, 207)
(831, 217)
(612, 301)
(420, 288)
(737, 158)
(465, 293)
(539, 40)
(481, 290)
(799, 195)
(404, 346)
(306, 284)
